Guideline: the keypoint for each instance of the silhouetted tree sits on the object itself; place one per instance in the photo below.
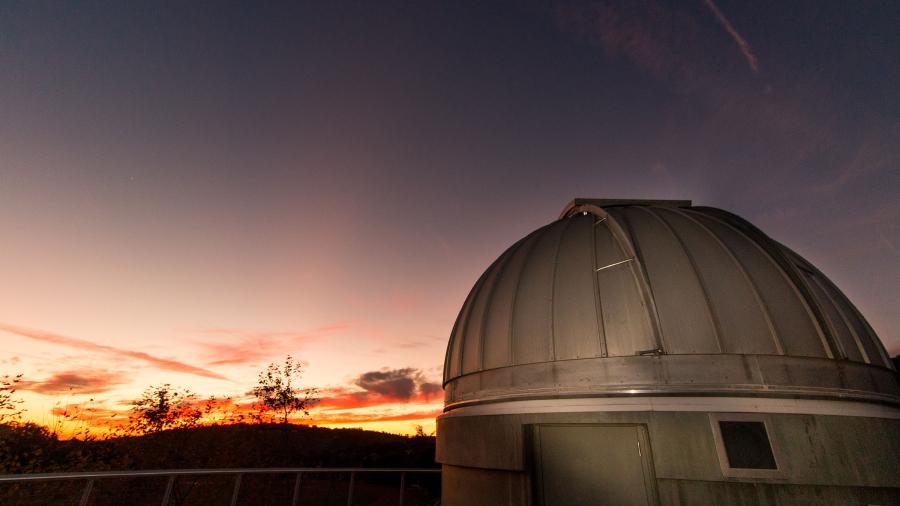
(163, 407)
(420, 431)
(9, 405)
(276, 391)
(22, 445)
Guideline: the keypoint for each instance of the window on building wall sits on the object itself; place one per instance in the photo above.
(747, 445)
(744, 445)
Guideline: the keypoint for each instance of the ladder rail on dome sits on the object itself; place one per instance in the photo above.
(630, 249)
(622, 234)
(595, 282)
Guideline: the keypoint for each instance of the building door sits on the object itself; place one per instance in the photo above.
(587, 464)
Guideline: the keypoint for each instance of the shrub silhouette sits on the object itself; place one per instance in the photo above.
(161, 408)
(277, 394)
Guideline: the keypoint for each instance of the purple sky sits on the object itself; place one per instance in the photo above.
(209, 181)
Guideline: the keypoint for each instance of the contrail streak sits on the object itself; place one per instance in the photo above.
(162, 363)
(741, 42)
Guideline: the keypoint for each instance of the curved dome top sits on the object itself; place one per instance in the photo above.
(652, 278)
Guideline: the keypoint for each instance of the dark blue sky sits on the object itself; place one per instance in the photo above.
(269, 167)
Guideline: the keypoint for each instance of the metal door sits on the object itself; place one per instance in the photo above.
(588, 464)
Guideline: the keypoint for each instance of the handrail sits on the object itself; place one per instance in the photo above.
(91, 476)
(180, 472)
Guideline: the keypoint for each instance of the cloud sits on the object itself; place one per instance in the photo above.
(396, 383)
(669, 43)
(75, 382)
(660, 41)
(374, 396)
(330, 418)
(430, 390)
(413, 344)
(246, 351)
(759, 148)
(81, 344)
(249, 347)
(385, 386)
(742, 43)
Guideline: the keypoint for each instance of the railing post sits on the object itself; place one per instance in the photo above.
(402, 485)
(237, 488)
(86, 494)
(169, 485)
(350, 492)
(296, 490)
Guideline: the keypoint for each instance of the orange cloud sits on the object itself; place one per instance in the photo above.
(325, 418)
(75, 382)
(81, 344)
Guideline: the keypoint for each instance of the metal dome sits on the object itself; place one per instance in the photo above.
(647, 297)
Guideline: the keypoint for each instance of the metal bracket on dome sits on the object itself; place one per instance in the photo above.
(595, 206)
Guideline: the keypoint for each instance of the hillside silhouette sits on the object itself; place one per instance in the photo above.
(228, 446)
(271, 445)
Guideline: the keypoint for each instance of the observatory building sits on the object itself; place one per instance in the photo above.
(655, 353)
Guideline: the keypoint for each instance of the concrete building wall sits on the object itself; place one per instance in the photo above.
(466, 486)
(822, 459)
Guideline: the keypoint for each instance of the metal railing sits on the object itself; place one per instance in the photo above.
(171, 474)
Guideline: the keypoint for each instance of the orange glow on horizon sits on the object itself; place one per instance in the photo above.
(73, 414)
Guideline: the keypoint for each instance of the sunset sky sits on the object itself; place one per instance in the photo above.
(189, 191)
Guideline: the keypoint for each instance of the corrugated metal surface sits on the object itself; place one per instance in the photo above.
(574, 304)
(624, 280)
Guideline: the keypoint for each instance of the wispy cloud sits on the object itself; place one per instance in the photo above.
(327, 418)
(658, 40)
(795, 131)
(235, 346)
(246, 350)
(88, 381)
(82, 344)
(413, 344)
(742, 43)
(667, 42)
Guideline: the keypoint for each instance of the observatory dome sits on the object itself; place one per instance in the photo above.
(623, 297)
